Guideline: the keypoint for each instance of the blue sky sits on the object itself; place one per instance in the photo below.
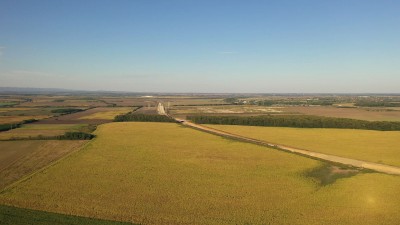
(202, 46)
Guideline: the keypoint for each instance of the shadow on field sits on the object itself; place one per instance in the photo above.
(10, 215)
(329, 173)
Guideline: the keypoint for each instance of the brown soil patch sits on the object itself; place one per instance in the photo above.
(20, 158)
(74, 118)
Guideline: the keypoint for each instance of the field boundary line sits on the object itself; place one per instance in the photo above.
(382, 168)
(30, 175)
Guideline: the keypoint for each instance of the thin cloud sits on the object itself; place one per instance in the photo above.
(2, 50)
(28, 78)
(29, 73)
(227, 52)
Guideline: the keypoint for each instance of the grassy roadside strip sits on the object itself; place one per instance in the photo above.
(235, 137)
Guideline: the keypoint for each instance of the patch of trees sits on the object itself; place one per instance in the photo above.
(66, 136)
(301, 121)
(377, 104)
(142, 117)
(6, 127)
(231, 100)
(66, 110)
(76, 136)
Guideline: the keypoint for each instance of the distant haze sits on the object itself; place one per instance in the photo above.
(308, 46)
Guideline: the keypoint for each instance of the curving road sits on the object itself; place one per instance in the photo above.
(331, 158)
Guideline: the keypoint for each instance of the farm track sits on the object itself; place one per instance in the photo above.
(316, 155)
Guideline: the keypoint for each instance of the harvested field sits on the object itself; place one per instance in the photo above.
(18, 119)
(147, 110)
(190, 177)
(79, 117)
(19, 158)
(109, 115)
(226, 109)
(26, 111)
(372, 114)
(10, 109)
(153, 100)
(129, 101)
(66, 103)
(373, 146)
(17, 115)
(35, 130)
(193, 101)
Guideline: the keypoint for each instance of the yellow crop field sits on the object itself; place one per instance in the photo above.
(163, 173)
(13, 109)
(109, 114)
(374, 146)
(18, 119)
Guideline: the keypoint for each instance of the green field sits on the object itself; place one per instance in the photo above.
(17, 216)
(163, 173)
(374, 146)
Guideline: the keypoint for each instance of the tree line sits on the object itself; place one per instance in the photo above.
(142, 117)
(377, 104)
(66, 136)
(66, 110)
(9, 126)
(300, 121)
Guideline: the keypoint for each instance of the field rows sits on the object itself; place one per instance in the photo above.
(158, 173)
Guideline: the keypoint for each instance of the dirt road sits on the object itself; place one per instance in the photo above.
(331, 158)
(161, 109)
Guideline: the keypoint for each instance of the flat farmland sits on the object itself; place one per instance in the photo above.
(91, 116)
(109, 114)
(147, 110)
(17, 216)
(236, 110)
(19, 158)
(18, 119)
(19, 114)
(163, 173)
(129, 101)
(362, 113)
(35, 130)
(374, 146)
(10, 109)
(193, 101)
(33, 111)
(62, 102)
(153, 100)
(371, 114)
